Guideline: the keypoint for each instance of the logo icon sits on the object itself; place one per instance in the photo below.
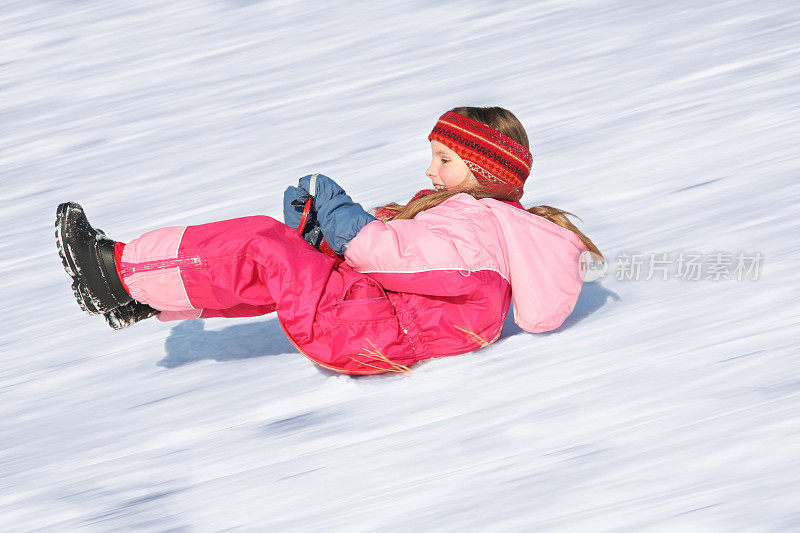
(591, 266)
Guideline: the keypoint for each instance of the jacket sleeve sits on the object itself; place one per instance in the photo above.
(409, 256)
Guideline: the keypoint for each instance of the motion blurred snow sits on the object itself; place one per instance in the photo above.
(669, 128)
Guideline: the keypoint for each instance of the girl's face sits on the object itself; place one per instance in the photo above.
(448, 170)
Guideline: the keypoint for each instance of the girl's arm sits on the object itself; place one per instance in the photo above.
(411, 256)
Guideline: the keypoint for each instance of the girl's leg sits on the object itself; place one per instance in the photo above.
(336, 316)
(237, 311)
(340, 318)
(239, 267)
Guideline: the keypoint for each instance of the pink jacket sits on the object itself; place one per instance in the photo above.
(462, 236)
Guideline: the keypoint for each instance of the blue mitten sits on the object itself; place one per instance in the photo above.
(338, 216)
(294, 201)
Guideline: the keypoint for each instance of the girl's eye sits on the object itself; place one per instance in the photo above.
(445, 161)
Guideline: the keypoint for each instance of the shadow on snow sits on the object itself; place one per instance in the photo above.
(189, 341)
(593, 296)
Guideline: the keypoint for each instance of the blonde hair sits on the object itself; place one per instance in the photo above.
(505, 122)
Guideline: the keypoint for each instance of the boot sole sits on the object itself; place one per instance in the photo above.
(129, 314)
(61, 217)
(79, 289)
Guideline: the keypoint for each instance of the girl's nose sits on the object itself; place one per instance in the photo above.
(430, 173)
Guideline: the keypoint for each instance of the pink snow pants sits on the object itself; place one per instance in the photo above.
(339, 318)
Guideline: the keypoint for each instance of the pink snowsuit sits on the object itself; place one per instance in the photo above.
(433, 286)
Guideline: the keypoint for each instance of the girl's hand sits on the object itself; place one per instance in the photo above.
(294, 199)
(338, 216)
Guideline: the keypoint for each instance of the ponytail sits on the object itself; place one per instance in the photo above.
(559, 216)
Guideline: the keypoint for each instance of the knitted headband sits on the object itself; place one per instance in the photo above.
(498, 162)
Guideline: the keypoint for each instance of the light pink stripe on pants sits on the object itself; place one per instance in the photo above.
(151, 269)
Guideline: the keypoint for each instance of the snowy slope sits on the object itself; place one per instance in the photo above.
(660, 405)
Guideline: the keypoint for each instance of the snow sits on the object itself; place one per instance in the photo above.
(660, 405)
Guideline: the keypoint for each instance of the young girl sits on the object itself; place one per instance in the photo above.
(429, 279)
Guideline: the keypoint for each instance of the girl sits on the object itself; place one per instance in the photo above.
(429, 279)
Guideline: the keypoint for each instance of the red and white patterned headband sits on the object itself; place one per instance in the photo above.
(499, 163)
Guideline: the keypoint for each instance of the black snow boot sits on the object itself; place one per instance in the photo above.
(88, 257)
(129, 314)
